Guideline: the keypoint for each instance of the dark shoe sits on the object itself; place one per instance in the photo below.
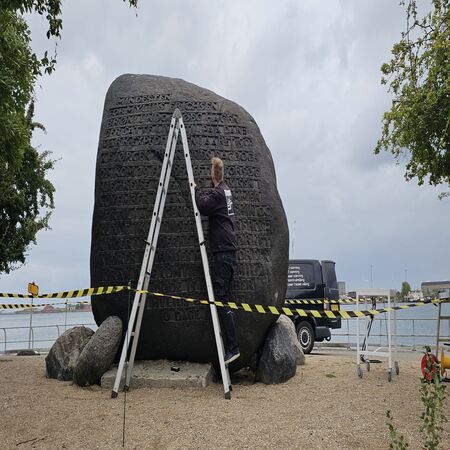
(231, 356)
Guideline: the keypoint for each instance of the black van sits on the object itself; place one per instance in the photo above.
(314, 280)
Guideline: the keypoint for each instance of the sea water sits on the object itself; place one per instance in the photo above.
(15, 328)
(416, 327)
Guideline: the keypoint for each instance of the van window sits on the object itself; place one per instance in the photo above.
(300, 276)
(329, 275)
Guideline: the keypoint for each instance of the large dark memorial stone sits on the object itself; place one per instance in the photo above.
(136, 118)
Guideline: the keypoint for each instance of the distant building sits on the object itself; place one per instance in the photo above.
(415, 296)
(342, 288)
(48, 309)
(26, 311)
(85, 307)
(392, 292)
(433, 287)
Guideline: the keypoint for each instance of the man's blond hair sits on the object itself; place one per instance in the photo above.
(217, 169)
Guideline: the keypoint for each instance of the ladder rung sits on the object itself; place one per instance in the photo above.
(444, 317)
(444, 340)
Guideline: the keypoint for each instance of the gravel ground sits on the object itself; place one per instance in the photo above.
(324, 406)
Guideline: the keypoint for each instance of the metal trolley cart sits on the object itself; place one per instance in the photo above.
(362, 349)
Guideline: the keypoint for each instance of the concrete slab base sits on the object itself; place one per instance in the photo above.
(163, 374)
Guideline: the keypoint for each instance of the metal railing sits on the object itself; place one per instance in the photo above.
(415, 337)
(31, 341)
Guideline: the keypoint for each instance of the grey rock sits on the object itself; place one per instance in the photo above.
(98, 355)
(280, 354)
(135, 124)
(300, 355)
(298, 351)
(27, 352)
(64, 354)
(253, 362)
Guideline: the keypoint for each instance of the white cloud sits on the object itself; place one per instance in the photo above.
(307, 71)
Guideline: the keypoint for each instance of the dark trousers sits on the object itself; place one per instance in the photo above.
(223, 267)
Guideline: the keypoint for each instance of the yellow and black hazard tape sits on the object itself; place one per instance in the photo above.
(289, 309)
(113, 289)
(34, 305)
(317, 301)
(344, 301)
(70, 294)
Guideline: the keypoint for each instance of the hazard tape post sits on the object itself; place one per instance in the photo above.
(33, 290)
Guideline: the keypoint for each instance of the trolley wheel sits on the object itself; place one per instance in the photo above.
(368, 366)
(359, 372)
(397, 368)
(389, 375)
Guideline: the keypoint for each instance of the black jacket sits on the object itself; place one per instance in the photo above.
(217, 204)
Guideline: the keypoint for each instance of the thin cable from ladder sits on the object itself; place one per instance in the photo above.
(126, 367)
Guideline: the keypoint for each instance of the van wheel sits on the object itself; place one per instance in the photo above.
(305, 335)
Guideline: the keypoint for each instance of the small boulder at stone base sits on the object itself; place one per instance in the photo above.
(64, 354)
(98, 355)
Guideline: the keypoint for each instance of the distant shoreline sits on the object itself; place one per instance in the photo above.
(9, 312)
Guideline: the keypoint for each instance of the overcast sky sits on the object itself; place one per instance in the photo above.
(307, 71)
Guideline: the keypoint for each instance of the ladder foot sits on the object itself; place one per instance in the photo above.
(126, 388)
(228, 395)
(113, 394)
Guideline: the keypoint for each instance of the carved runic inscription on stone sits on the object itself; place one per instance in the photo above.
(135, 125)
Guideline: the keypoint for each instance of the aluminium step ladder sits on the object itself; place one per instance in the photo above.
(137, 310)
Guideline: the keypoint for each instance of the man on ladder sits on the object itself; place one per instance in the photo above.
(217, 204)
